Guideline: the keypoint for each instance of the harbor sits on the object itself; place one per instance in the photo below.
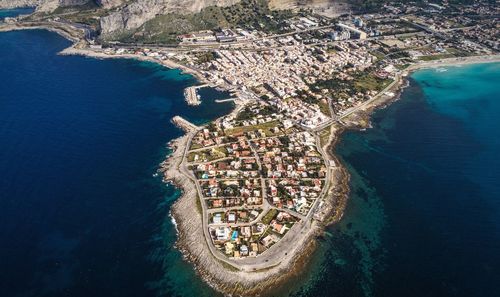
(184, 124)
(191, 95)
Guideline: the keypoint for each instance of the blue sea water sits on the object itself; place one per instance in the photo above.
(424, 214)
(81, 213)
(14, 12)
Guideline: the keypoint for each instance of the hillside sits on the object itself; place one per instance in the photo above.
(161, 20)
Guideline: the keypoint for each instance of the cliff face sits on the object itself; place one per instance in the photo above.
(138, 12)
(127, 15)
(64, 3)
(109, 3)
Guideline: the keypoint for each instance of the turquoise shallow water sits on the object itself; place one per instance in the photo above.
(424, 214)
(82, 215)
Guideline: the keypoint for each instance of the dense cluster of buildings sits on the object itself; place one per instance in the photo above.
(258, 174)
(312, 74)
(280, 74)
(260, 171)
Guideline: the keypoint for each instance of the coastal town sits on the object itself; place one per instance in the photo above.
(262, 182)
(323, 67)
(261, 171)
(257, 176)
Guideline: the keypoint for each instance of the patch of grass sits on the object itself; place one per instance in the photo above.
(266, 127)
(323, 107)
(195, 146)
(457, 52)
(208, 155)
(368, 82)
(402, 67)
(377, 54)
(75, 8)
(199, 208)
(270, 215)
(450, 53)
(360, 82)
(435, 57)
(324, 136)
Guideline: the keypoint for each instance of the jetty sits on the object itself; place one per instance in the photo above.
(191, 96)
(184, 124)
(225, 100)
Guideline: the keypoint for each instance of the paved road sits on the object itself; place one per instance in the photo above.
(275, 254)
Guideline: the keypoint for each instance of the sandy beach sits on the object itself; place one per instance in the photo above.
(455, 62)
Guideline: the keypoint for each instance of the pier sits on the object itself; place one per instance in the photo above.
(225, 100)
(191, 95)
(184, 124)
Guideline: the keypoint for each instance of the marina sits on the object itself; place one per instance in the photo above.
(191, 95)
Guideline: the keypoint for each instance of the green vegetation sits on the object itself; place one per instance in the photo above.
(402, 67)
(282, 192)
(248, 113)
(368, 81)
(208, 155)
(367, 5)
(323, 107)
(247, 14)
(270, 215)
(204, 57)
(324, 136)
(377, 54)
(450, 53)
(195, 146)
(361, 82)
(309, 98)
(199, 208)
(266, 128)
(75, 8)
(87, 14)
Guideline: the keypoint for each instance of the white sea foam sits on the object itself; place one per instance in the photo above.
(174, 222)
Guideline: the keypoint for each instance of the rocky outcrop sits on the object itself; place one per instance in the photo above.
(109, 3)
(132, 16)
(65, 3)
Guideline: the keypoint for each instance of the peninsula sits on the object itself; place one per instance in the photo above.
(260, 184)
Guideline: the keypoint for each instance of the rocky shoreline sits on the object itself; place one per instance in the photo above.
(222, 276)
(187, 213)
(191, 243)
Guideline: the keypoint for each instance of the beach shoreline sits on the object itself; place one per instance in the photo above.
(186, 213)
